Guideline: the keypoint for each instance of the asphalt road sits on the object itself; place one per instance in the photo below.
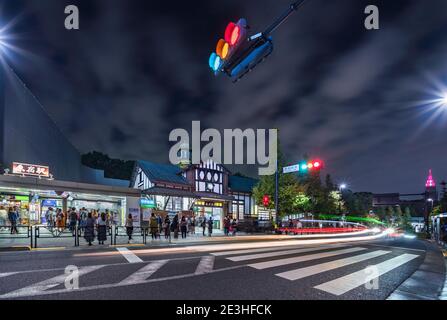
(268, 270)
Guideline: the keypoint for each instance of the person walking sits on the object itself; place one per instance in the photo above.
(167, 227)
(129, 227)
(89, 233)
(102, 228)
(184, 227)
(210, 226)
(13, 217)
(73, 220)
(153, 225)
(174, 226)
(203, 226)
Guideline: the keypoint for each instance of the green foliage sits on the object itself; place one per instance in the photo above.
(113, 168)
(299, 192)
(359, 203)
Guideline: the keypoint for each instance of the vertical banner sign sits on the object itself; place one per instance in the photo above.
(135, 212)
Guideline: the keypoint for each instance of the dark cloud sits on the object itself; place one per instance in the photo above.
(138, 69)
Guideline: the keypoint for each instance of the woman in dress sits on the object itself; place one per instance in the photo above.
(89, 233)
(102, 228)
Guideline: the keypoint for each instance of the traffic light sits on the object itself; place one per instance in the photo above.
(266, 200)
(234, 37)
(237, 54)
(313, 165)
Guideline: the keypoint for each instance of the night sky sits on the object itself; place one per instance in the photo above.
(138, 69)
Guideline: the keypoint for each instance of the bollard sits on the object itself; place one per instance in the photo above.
(30, 234)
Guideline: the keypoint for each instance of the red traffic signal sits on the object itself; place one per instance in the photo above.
(266, 200)
(232, 33)
(225, 48)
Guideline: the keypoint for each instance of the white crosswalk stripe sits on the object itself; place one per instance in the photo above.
(244, 251)
(205, 265)
(286, 261)
(351, 281)
(323, 267)
(280, 253)
(38, 288)
(129, 255)
(144, 273)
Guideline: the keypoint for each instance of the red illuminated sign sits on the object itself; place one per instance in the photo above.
(30, 170)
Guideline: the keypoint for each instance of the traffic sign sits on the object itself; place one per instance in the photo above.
(290, 169)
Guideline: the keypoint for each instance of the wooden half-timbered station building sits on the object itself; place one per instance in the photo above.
(205, 190)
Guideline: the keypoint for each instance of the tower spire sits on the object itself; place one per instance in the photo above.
(430, 181)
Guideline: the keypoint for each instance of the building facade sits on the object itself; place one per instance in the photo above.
(206, 190)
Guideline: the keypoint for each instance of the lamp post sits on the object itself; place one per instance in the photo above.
(427, 219)
(341, 188)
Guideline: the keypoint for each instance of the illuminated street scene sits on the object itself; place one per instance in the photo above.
(194, 152)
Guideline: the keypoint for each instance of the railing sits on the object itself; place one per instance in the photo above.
(21, 232)
(47, 232)
(120, 231)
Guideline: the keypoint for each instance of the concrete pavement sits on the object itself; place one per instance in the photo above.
(266, 270)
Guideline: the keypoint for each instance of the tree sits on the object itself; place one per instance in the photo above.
(113, 168)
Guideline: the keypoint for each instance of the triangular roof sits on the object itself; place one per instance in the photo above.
(162, 172)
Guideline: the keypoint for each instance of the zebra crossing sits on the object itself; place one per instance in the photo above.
(336, 287)
(290, 264)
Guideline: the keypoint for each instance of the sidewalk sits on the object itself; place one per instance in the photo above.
(428, 282)
(69, 242)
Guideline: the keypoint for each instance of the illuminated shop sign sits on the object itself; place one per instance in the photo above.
(213, 204)
(147, 204)
(30, 170)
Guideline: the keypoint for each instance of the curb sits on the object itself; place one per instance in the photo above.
(427, 282)
(13, 249)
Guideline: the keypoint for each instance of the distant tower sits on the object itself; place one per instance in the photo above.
(430, 188)
(185, 159)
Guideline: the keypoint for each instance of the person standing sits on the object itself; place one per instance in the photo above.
(226, 226)
(49, 216)
(153, 225)
(89, 233)
(160, 224)
(184, 227)
(102, 228)
(174, 226)
(204, 224)
(129, 227)
(210, 226)
(167, 227)
(73, 220)
(59, 219)
(3, 217)
(234, 227)
(12, 217)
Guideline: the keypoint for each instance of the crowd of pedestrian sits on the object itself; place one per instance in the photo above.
(88, 221)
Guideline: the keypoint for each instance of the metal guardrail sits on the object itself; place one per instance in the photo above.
(120, 231)
(23, 232)
(53, 233)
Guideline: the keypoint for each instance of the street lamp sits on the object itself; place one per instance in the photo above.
(427, 220)
(342, 187)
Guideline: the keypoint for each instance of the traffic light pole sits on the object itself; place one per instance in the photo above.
(276, 194)
(293, 7)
